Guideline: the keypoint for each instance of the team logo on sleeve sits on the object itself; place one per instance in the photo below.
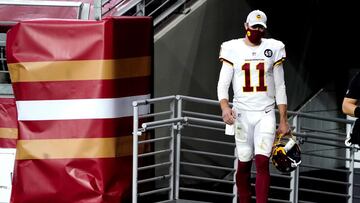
(268, 53)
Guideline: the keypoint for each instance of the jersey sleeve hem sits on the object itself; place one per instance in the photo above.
(226, 61)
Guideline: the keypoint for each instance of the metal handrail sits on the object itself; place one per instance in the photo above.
(323, 131)
(323, 168)
(202, 115)
(207, 179)
(208, 166)
(183, 118)
(163, 177)
(208, 141)
(208, 153)
(154, 140)
(143, 8)
(324, 180)
(205, 127)
(323, 118)
(206, 191)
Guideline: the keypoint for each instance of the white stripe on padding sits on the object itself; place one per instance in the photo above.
(79, 108)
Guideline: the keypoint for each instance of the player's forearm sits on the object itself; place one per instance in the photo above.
(349, 106)
(283, 113)
(224, 103)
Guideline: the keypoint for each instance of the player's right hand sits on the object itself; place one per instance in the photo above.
(228, 115)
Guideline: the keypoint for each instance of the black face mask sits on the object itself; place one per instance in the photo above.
(254, 35)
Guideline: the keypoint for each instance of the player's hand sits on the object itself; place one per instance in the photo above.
(283, 128)
(228, 115)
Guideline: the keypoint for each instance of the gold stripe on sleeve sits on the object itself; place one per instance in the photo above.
(278, 62)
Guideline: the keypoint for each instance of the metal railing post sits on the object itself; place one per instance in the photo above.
(135, 151)
(172, 153)
(140, 8)
(350, 162)
(351, 174)
(97, 9)
(351, 168)
(178, 145)
(234, 176)
(294, 182)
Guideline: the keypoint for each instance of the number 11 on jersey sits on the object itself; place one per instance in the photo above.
(261, 73)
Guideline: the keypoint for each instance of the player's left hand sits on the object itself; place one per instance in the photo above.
(283, 128)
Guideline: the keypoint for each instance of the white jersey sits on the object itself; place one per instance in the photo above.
(252, 73)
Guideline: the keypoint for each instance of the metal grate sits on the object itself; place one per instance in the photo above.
(4, 72)
(159, 10)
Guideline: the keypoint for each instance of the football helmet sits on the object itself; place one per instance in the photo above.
(286, 153)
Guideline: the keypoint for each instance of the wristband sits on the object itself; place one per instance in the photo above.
(357, 112)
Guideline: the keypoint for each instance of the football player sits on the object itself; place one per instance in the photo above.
(254, 66)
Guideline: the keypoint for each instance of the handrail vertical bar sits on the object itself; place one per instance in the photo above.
(350, 153)
(351, 174)
(294, 182)
(178, 145)
(172, 154)
(140, 8)
(351, 166)
(79, 11)
(97, 9)
(234, 177)
(135, 151)
(85, 11)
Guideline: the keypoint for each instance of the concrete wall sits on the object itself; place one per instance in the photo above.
(186, 55)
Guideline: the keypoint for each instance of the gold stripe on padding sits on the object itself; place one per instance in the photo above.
(74, 148)
(80, 70)
(9, 133)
